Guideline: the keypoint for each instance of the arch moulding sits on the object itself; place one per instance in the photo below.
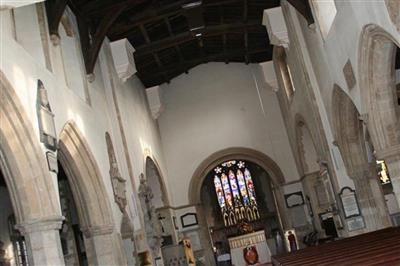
(393, 8)
(377, 51)
(300, 126)
(229, 154)
(88, 189)
(22, 161)
(160, 177)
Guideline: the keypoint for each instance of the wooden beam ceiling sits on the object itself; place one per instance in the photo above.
(160, 31)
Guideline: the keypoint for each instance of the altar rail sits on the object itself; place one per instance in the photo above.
(248, 239)
(377, 248)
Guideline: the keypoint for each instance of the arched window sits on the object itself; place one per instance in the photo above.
(235, 192)
(285, 73)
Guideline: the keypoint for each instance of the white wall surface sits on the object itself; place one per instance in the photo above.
(23, 69)
(218, 106)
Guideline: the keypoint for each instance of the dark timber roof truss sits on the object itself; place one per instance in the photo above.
(170, 37)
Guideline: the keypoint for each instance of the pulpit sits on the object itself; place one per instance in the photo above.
(249, 249)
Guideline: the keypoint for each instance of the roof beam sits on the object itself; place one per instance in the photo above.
(152, 14)
(155, 55)
(91, 47)
(191, 63)
(304, 8)
(96, 7)
(177, 49)
(187, 36)
(55, 10)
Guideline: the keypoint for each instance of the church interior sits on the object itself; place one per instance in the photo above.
(199, 132)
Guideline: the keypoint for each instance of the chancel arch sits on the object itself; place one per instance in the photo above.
(350, 134)
(91, 198)
(233, 187)
(229, 154)
(377, 74)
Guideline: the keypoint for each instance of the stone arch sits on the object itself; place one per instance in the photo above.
(219, 157)
(152, 169)
(85, 180)
(251, 155)
(349, 132)
(350, 135)
(307, 151)
(377, 53)
(103, 245)
(393, 8)
(28, 180)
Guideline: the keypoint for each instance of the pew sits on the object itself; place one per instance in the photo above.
(381, 247)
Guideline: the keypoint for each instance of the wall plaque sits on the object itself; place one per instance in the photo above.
(355, 223)
(349, 202)
(52, 162)
(294, 199)
(47, 128)
(189, 219)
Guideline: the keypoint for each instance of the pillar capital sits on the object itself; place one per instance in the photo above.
(389, 154)
(44, 224)
(97, 230)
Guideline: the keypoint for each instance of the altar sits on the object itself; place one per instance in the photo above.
(252, 246)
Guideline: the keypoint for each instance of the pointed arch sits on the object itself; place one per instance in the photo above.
(393, 8)
(88, 189)
(377, 53)
(349, 132)
(152, 170)
(219, 157)
(307, 151)
(22, 161)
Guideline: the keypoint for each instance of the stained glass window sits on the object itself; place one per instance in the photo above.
(235, 192)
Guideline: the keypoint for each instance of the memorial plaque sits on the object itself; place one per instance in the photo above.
(294, 199)
(349, 202)
(355, 223)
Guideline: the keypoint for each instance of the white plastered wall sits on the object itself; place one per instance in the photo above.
(24, 66)
(218, 106)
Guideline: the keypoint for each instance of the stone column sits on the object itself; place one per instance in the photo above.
(102, 247)
(205, 238)
(43, 241)
(371, 199)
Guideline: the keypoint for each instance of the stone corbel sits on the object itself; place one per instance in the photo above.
(269, 75)
(275, 23)
(389, 154)
(124, 62)
(154, 100)
(364, 118)
(97, 230)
